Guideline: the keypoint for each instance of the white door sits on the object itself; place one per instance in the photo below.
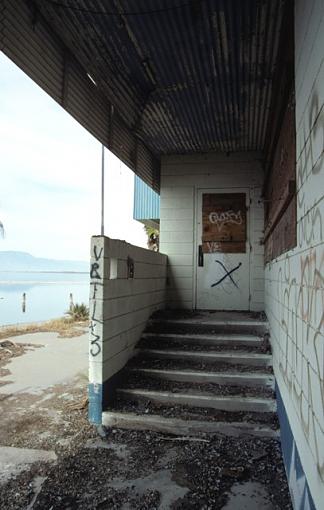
(223, 250)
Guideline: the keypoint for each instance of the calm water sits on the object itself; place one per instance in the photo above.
(47, 295)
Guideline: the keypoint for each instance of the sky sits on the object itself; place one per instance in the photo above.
(50, 177)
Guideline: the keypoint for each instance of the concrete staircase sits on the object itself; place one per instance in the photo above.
(199, 374)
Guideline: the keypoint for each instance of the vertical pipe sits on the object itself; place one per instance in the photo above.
(102, 190)
(71, 302)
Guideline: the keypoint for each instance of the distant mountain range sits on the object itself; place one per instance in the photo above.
(21, 261)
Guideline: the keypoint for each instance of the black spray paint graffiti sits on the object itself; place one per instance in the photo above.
(95, 339)
(95, 347)
(228, 274)
(94, 271)
(97, 255)
(95, 266)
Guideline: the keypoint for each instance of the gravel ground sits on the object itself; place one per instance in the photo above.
(138, 470)
(128, 470)
(196, 314)
(149, 383)
(193, 413)
(131, 470)
(201, 329)
(178, 344)
(150, 362)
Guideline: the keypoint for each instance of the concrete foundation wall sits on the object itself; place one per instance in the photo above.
(120, 305)
(294, 282)
(181, 177)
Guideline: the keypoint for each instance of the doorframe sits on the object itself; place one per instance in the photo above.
(195, 236)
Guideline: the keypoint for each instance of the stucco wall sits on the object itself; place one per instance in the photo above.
(120, 306)
(294, 282)
(181, 177)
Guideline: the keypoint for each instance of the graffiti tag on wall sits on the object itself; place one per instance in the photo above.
(226, 217)
(95, 331)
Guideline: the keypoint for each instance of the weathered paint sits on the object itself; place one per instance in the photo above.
(294, 282)
(280, 201)
(301, 496)
(224, 222)
(183, 178)
(191, 104)
(182, 77)
(95, 394)
(127, 284)
(223, 270)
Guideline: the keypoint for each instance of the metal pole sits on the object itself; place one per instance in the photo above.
(102, 190)
(24, 302)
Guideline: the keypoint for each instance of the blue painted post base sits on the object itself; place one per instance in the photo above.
(102, 395)
(95, 403)
(298, 486)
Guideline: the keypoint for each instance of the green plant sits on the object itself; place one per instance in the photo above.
(79, 312)
(153, 236)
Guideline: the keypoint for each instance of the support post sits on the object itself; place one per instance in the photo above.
(102, 231)
(96, 344)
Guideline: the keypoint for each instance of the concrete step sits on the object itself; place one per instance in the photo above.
(180, 427)
(228, 357)
(205, 325)
(198, 376)
(207, 339)
(201, 399)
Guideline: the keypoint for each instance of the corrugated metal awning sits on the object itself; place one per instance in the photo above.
(153, 77)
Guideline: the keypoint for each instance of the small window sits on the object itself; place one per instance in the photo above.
(113, 269)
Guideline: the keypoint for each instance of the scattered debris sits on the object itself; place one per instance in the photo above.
(185, 438)
(37, 487)
(77, 406)
(136, 470)
(114, 469)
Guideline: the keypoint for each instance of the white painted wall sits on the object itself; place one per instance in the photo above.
(120, 306)
(294, 282)
(181, 177)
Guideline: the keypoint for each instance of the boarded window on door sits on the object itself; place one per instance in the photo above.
(224, 223)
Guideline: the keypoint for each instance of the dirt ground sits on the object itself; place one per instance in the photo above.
(125, 469)
(66, 327)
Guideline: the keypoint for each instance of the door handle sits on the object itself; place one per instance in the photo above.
(200, 256)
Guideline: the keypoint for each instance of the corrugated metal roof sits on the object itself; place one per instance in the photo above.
(30, 41)
(153, 77)
(189, 76)
(146, 202)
